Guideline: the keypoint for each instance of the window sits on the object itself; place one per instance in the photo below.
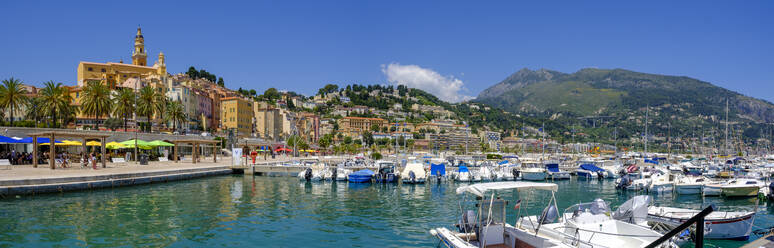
(90, 69)
(103, 69)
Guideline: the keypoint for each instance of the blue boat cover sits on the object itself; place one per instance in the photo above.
(552, 167)
(463, 169)
(503, 162)
(590, 167)
(651, 161)
(365, 172)
(437, 168)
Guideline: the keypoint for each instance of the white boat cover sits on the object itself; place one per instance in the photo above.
(633, 210)
(481, 188)
(417, 168)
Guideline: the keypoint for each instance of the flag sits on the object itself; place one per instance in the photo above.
(517, 205)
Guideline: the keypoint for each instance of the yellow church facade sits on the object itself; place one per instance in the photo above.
(116, 74)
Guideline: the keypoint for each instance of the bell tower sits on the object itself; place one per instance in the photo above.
(139, 57)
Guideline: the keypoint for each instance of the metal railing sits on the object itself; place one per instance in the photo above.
(697, 219)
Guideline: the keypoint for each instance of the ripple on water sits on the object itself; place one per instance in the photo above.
(239, 211)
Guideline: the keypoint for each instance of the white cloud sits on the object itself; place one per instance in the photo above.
(447, 88)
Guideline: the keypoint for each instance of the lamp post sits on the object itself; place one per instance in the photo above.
(136, 123)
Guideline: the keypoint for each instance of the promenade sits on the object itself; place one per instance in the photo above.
(24, 179)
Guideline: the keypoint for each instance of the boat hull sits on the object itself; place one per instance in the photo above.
(688, 189)
(711, 190)
(533, 176)
(740, 191)
(584, 174)
(737, 228)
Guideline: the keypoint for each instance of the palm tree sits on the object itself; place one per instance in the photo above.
(96, 101)
(124, 107)
(175, 113)
(161, 106)
(12, 95)
(34, 109)
(147, 104)
(53, 99)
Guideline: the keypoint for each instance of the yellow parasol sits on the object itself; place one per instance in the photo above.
(114, 145)
(93, 143)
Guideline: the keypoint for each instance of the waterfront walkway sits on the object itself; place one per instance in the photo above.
(26, 180)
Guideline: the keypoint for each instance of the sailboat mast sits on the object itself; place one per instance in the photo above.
(725, 143)
(647, 109)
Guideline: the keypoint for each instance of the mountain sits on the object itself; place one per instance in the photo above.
(604, 92)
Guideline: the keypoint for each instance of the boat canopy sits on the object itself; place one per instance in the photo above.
(510, 156)
(463, 169)
(651, 161)
(590, 167)
(552, 167)
(437, 169)
(481, 188)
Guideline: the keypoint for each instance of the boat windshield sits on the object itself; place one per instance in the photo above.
(498, 207)
(598, 206)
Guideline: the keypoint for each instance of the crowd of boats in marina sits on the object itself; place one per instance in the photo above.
(635, 223)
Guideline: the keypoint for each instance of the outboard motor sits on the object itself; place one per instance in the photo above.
(600, 175)
(438, 176)
(515, 173)
(467, 223)
(334, 175)
(308, 174)
(624, 182)
(412, 176)
(771, 191)
(549, 215)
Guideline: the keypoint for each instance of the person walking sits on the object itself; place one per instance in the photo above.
(93, 160)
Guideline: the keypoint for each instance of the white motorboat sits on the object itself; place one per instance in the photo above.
(712, 189)
(341, 174)
(661, 183)
(485, 173)
(690, 185)
(741, 187)
(588, 171)
(414, 172)
(719, 224)
(463, 174)
(487, 227)
(582, 225)
(532, 172)
(554, 173)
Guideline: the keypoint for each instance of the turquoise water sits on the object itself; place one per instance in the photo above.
(245, 211)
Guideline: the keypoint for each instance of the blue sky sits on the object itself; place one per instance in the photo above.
(472, 45)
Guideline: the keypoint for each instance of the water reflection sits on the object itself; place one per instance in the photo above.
(279, 211)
